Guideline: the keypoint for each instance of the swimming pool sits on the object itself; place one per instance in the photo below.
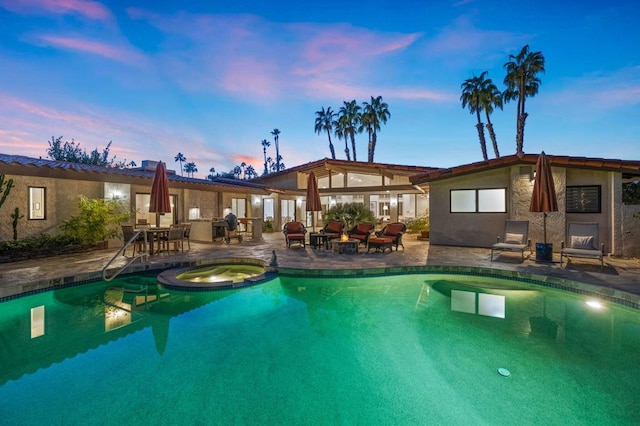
(405, 349)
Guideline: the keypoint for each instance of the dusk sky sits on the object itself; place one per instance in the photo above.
(212, 79)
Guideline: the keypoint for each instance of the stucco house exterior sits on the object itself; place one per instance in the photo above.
(469, 203)
(385, 188)
(47, 192)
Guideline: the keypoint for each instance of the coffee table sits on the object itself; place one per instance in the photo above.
(349, 246)
(317, 239)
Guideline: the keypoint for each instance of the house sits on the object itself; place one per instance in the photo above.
(47, 191)
(469, 204)
(385, 188)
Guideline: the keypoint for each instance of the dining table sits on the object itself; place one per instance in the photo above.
(153, 235)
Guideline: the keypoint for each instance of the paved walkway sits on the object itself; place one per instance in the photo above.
(30, 275)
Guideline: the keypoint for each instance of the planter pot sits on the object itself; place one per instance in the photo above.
(544, 252)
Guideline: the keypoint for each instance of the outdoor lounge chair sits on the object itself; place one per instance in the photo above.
(333, 229)
(582, 241)
(174, 237)
(516, 238)
(391, 235)
(137, 244)
(294, 232)
(362, 232)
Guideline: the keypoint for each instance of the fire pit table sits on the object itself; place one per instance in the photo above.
(349, 246)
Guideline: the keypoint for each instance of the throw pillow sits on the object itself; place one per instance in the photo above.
(513, 238)
(582, 242)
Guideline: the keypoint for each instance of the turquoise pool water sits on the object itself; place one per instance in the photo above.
(407, 349)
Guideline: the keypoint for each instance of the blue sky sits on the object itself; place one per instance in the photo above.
(213, 79)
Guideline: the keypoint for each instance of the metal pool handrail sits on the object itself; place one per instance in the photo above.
(142, 256)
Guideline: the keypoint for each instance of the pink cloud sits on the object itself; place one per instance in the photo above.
(116, 53)
(88, 9)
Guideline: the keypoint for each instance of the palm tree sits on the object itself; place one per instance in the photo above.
(181, 158)
(373, 114)
(265, 144)
(490, 98)
(242, 166)
(472, 97)
(521, 82)
(271, 164)
(211, 175)
(250, 172)
(324, 122)
(275, 134)
(190, 168)
(350, 118)
(237, 172)
(341, 133)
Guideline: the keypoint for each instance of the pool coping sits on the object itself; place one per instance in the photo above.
(608, 294)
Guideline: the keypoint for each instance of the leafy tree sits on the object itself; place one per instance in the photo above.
(522, 82)
(631, 192)
(472, 89)
(190, 168)
(276, 138)
(373, 114)
(350, 117)
(265, 145)
(180, 158)
(324, 122)
(73, 153)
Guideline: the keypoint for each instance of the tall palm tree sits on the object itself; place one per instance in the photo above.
(341, 133)
(521, 82)
(190, 168)
(491, 97)
(276, 134)
(181, 158)
(472, 98)
(373, 114)
(350, 118)
(242, 166)
(265, 145)
(324, 122)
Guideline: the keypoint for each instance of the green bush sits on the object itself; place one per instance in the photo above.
(418, 224)
(350, 214)
(98, 220)
(38, 244)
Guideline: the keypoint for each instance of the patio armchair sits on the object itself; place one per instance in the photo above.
(187, 232)
(582, 241)
(389, 236)
(362, 232)
(516, 238)
(333, 229)
(175, 236)
(294, 232)
(137, 244)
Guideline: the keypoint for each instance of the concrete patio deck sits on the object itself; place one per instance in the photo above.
(31, 275)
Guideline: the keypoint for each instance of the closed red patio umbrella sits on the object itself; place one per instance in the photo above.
(313, 197)
(160, 202)
(543, 198)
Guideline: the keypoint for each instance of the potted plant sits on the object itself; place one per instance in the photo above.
(419, 225)
(97, 221)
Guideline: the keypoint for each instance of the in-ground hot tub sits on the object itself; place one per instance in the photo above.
(217, 274)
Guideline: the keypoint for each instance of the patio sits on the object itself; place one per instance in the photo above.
(29, 275)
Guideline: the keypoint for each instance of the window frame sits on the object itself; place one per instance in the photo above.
(42, 201)
(476, 201)
(576, 191)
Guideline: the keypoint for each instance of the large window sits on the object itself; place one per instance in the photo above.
(37, 203)
(584, 199)
(287, 211)
(239, 207)
(479, 200)
(268, 209)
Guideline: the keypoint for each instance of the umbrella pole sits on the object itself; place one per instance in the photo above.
(544, 226)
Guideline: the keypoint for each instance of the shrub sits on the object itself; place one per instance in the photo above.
(98, 220)
(418, 224)
(350, 214)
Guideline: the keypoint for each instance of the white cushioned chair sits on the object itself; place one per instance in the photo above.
(582, 241)
(516, 238)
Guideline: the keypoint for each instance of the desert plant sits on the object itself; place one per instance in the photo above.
(16, 216)
(350, 214)
(267, 226)
(98, 220)
(5, 188)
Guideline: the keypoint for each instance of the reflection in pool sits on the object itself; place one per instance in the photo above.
(408, 349)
